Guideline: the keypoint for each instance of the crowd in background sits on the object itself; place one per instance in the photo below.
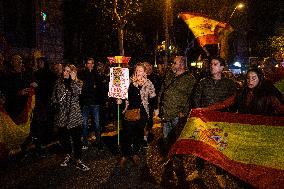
(66, 96)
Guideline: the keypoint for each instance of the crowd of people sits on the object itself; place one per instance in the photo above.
(66, 96)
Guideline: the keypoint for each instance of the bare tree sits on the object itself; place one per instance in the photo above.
(122, 11)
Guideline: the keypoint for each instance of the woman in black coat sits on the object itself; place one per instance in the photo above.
(258, 97)
(140, 91)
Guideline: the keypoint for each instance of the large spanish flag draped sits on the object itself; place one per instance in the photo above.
(208, 31)
(12, 134)
(248, 146)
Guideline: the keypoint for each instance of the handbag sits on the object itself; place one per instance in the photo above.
(132, 115)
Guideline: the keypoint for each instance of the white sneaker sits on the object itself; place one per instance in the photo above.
(80, 165)
(66, 161)
(85, 147)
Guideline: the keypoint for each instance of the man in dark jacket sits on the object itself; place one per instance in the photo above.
(174, 101)
(90, 101)
(209, 91)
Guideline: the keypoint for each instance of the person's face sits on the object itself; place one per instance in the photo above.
(215, 66)
(176, 65)
(140, 72)
(58, 69)
(161, 69)
(149, 69)
(66, 72)
(90, 65)
(40, 64)
(252, 80)
(17, 62)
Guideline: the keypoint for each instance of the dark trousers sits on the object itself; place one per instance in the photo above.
(132, 137)
(67, 137)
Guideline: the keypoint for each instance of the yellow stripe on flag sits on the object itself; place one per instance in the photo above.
(11, 134)
(250, 147)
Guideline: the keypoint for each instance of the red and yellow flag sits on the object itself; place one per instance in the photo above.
(12, 134)
(250, 147)
(280, 86)
(208, 31)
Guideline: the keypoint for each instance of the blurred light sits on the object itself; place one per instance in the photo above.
(43, 15)
(240, 6)
(196, 64)
(236, 71)
(237, 64)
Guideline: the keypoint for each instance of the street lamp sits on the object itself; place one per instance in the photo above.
(239, 52)
(239, 6)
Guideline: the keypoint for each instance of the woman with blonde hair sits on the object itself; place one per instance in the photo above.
(139, 92)
(68, 118)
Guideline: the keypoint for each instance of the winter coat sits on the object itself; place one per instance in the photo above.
(209, 91)
(92, 88)
(174, 97)
(66, 101)
(147, 91)
(266, 99)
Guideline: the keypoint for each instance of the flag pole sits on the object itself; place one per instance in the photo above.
(118, 117)
(117, 89)
(118, 123)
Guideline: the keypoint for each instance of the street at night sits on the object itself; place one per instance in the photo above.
(36, 172)
(143, 94)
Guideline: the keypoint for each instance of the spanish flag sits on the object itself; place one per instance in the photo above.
(208, 31)
(11, 133)
(280, 86)
(250, 147)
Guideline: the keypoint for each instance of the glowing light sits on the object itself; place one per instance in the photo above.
(196, 64)
(237, 64)
(240, 6)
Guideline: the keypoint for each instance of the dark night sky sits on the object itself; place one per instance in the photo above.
(19, 21)
(264, 18)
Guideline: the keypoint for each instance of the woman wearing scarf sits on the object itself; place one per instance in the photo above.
(140, 91)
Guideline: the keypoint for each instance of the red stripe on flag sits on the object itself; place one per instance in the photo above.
(24, 115)
(258, 176)
(207, 40)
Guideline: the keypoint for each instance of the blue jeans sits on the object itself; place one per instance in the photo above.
(95, 112)
(169, 125)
